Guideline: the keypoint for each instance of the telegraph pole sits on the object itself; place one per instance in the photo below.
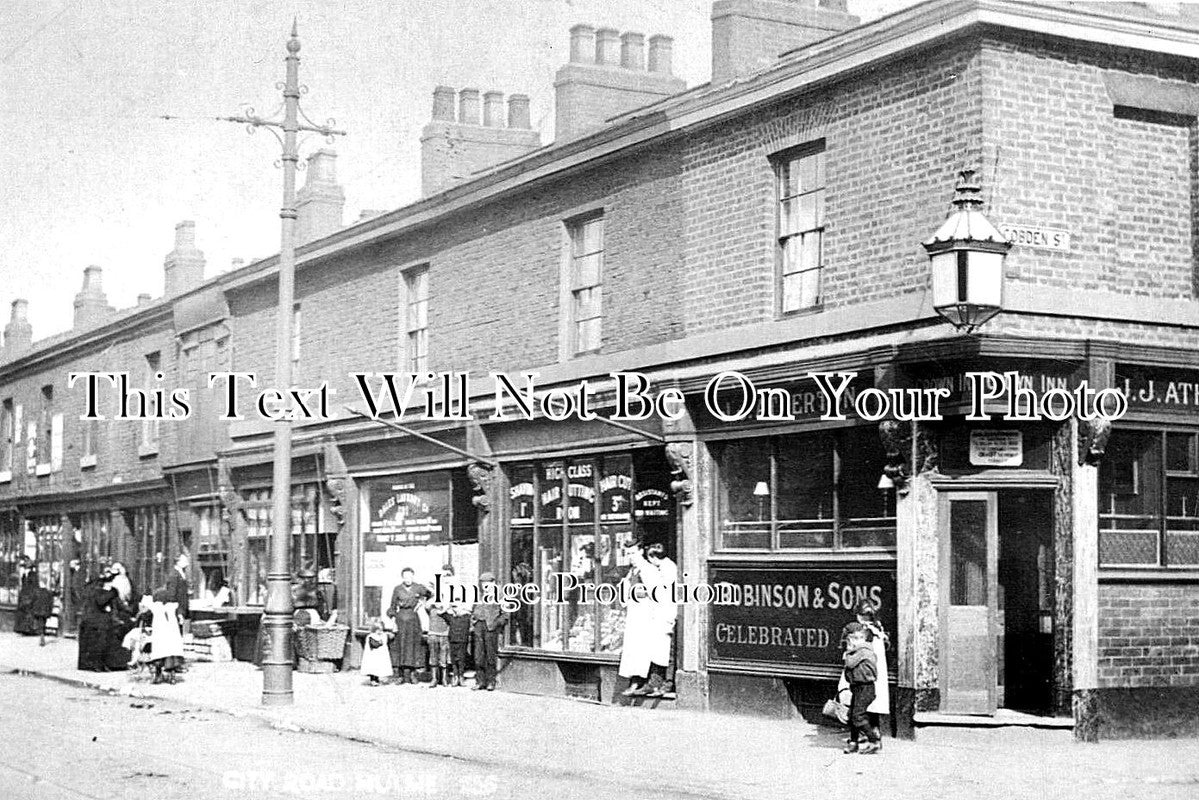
(277, 619)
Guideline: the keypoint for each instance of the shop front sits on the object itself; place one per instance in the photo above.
(566, 527)
(801, 532)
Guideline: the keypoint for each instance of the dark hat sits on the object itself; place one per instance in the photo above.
(486, 576)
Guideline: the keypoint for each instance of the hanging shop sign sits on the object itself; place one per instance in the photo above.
(791, 616)
(410, 509)
(1159, 388)
(996, 448)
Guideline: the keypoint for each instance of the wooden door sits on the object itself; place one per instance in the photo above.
(969, 595)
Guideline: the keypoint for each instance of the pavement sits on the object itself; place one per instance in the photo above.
(648, 750)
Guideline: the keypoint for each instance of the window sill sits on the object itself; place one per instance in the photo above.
(1149, 574)
(856, 554)
(558, 655)
(41, 470)
(86, 462)
(801, 312)
(6, 476)
(147, 450)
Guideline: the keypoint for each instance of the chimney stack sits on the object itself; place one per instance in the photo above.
(321, 202)
(607, 76)
(750, 35)
(452, 149)
(143, 299)
(18, 333)
(183, 266)
(91, 306)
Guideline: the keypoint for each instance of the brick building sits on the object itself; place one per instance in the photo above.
(769, 223)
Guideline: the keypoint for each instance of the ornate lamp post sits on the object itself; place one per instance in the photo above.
(277, 617)
(967, 254)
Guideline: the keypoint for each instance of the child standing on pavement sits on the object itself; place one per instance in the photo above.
(457, 617)
(487, 620)
(376, 656)
(861, 671)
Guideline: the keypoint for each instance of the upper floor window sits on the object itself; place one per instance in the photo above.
(801, 181)
(7, 436)
(47, 449)
(416, 319)
(585, 280)
(149, 440)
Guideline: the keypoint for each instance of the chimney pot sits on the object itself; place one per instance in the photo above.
(607, 46)
(468, 107)
(493, 109)
(183, 267)
(18, 333)
(518, 112)
(582, 44)
(632, 51)
(660, 54)
(91, 306)
(443, 104)
(185, 235)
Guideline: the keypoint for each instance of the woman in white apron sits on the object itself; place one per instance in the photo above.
(867, 614)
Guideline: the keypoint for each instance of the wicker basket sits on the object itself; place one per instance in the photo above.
(322, 644)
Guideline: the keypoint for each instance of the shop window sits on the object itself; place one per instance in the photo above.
(151, 559)
(12, 547)
(416, 318)
(575, 516)
(46, 533)
(585, 283)
(96, 545)
(804, 491)
(801, 185)
(311, 545)
(1149, 500)
(211, 550)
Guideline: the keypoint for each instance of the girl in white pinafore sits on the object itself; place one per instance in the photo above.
(166, 641)
(867, 614)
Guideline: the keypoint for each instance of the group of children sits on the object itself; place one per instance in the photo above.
(450, 629)
(865, 676)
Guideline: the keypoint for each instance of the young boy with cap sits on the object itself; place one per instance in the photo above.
(487, 620)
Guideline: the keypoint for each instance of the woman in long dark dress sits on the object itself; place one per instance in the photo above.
(25, 622)
(96, 624)
(404, 600)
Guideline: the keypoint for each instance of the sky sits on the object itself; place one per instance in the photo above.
(93, 175)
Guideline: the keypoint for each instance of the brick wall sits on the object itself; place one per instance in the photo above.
(1059, 156)
(493, 283)
(894, 138)
(1148, 635)
(117, 441)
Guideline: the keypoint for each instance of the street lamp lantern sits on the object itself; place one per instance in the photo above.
(967, 254)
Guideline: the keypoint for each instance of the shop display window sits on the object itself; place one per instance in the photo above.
(312, 545)
(96, 543)
(12, 547)
(1149, 500)
(813, 491)
(575, 516)
(151, 561)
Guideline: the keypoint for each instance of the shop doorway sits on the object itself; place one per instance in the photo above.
(1026, 598)
(996, 601)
